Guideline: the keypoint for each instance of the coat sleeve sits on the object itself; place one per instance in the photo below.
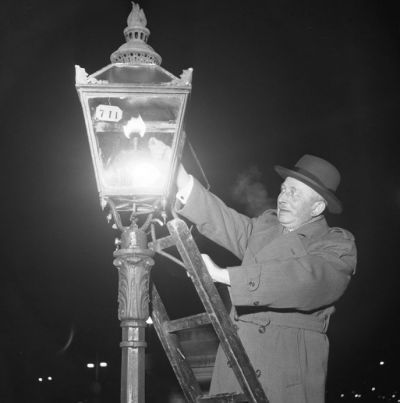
(217, 221)
(299, 278)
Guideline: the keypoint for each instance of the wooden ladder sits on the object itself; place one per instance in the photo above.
(215, 314)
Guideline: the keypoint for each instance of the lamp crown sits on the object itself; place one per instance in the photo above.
(136, 50)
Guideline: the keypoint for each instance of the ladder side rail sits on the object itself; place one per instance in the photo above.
(219, 317)
(170, 343)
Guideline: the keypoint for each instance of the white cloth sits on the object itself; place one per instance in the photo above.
(183, 194)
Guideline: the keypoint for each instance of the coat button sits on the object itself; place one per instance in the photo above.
(228, 363)
(261, 329)
(256, 303)
(252, 284)
(236, 327)
(258, 373)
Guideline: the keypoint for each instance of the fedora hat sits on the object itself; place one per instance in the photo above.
(319, 175)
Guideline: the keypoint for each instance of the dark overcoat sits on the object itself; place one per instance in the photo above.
(283, 295)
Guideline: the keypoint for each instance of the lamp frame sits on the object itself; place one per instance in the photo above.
(92, 86)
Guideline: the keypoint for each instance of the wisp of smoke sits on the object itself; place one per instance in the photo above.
(250, 192)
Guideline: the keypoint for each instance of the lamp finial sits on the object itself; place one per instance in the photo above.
(136, 50)
(136, 16)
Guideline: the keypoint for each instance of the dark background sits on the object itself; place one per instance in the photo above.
(272, 81)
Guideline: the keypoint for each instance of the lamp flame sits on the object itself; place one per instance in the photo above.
(135, 125)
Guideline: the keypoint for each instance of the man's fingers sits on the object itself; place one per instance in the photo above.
(207, 260)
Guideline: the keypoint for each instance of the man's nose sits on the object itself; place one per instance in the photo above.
(282, 197)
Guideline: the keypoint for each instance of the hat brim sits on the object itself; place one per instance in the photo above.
(334, 204)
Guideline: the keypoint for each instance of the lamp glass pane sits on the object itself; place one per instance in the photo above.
(135, 138)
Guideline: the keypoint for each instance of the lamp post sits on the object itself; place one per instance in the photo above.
(134, 111)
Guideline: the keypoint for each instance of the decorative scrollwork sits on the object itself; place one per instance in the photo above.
(81, 77)
(133, 292)
(184, 79)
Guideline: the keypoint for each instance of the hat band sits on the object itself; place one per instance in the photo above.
(311, 176)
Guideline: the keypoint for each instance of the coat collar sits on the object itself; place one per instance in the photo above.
(313, 229)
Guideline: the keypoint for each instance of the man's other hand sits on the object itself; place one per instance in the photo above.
(218, 274)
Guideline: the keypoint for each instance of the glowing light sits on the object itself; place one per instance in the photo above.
(90, 365)
(149, 321)
(135, 125)
(103, 364)
(373, 389)
(342, 395)
(49, 378)
(40, 379)
(145, 174)
(381, 362)
(136, 170)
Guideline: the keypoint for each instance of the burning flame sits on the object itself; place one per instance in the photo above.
(135, 125)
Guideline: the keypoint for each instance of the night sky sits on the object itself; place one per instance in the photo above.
(272, 81)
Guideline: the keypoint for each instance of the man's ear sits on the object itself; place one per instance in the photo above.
(318, 208)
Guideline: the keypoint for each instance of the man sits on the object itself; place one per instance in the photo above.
(294, 268)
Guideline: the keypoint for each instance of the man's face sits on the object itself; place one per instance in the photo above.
(296, 203)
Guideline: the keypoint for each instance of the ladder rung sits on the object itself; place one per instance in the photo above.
(188, 322)
(162, 243)
(224, 397)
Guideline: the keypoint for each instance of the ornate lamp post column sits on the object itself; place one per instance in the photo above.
(134, 262)
(134, 111)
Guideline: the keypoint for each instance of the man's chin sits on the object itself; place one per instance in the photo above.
(285, 218)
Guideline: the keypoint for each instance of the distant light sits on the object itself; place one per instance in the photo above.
(381, 362)
(373, 389)
(49, 378)
(342, 395)
(40, 379)
(393, 396)
(149, 321)
(103, 364)
(90, 365)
